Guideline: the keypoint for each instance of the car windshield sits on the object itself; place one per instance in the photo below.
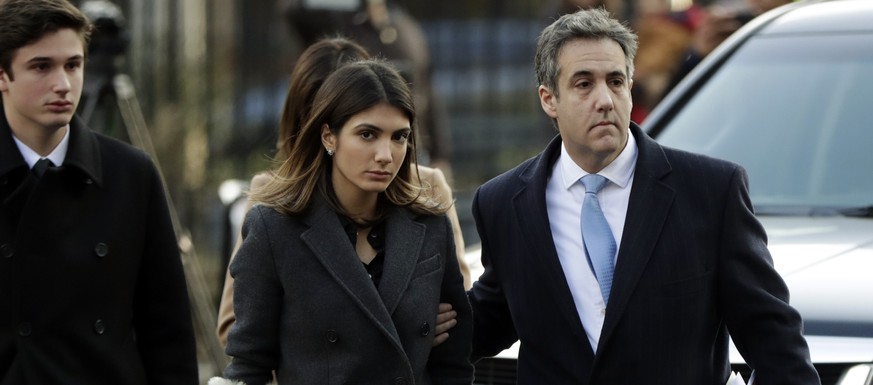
(797, 112)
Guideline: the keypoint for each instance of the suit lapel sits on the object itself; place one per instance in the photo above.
(404, 239)
(16, 181)
(16, 190)
(649, 203)
(18, 185)
(529, 205)
(332, 248)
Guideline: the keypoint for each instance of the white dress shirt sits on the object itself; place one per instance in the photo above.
(564, 196)
(57, 155)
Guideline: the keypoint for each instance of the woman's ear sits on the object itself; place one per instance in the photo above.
(328, 139)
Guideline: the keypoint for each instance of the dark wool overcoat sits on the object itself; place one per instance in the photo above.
(307, 309)
(92, 289)
(693, 264)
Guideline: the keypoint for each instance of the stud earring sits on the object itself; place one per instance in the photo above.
(329, 152)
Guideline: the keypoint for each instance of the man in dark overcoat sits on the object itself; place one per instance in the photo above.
(92, 289)
(614, 260)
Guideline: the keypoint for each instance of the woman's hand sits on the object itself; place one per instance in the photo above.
(445, 321)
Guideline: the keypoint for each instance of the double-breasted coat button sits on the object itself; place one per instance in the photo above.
(425, 329)
(24, 329)
(101, 249)
(6, 250)
(99, 328)
(401, 381)
(332, 336)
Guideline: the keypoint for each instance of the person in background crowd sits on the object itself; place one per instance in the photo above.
(663, 38)
(710, 26)
(343, 264)
(92, 289)
(387, 31)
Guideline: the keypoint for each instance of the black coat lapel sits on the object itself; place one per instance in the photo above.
(649, 203)
(331, 246)
(404, 239)
(530, 209)
(16, 182)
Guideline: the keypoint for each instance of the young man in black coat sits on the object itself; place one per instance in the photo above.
(91, 284)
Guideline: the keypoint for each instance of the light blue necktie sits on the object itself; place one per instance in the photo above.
(599, 242)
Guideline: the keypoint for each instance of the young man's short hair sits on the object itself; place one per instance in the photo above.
(23, 22)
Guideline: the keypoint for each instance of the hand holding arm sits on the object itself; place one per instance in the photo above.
(446, 320)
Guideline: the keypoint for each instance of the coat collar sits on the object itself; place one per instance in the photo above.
(10, 157)
(83, 153)
(404, 239)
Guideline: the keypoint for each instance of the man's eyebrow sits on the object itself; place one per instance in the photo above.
(43, 59)
(580, 73)
(586, 73)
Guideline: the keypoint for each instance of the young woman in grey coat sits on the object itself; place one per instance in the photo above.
(343, 263)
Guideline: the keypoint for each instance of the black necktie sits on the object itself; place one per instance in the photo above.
(40, 167)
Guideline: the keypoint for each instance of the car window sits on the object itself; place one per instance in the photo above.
(797, 112)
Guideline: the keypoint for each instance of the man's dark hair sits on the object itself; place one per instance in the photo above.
(592, 24)
(23, 22)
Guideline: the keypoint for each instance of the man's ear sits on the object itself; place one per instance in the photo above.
(328, 139)
(548, 101)
(4, 81)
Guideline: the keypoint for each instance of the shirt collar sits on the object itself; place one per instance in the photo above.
(619, 171)
(57, 155)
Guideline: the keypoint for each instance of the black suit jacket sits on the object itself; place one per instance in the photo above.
(91, 284)
(693, 263)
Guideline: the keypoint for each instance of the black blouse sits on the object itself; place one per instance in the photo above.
(376, 238)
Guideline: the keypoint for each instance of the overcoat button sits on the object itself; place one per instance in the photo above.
(400, 381)
(99, 328)
(24, 329)
(101, 250)
(425, 329)
(332, 336)
(89, 181)
(6, 250)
